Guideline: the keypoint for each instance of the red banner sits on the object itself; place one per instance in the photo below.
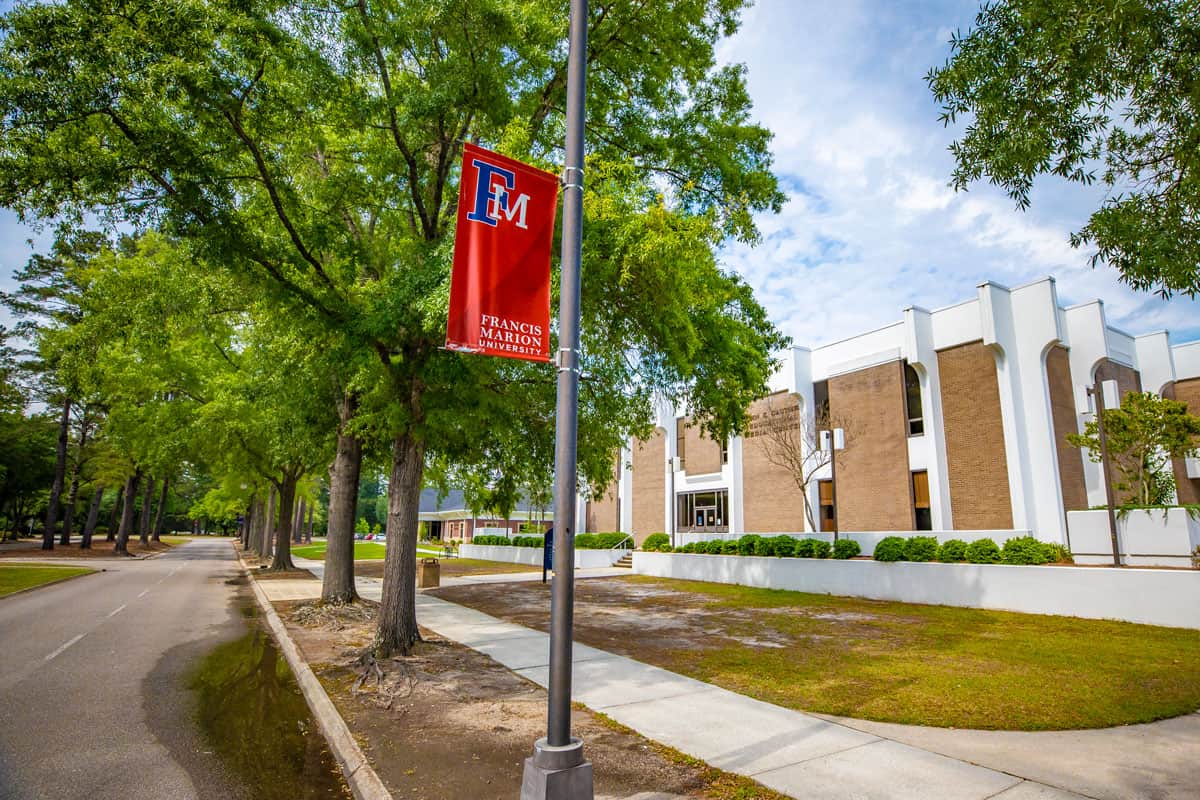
(500, 286)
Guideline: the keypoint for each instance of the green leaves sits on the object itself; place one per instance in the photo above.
(1089, 90)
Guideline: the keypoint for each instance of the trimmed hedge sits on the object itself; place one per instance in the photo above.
(921, 548)
(846, 548)
(657, 542)
(952, 550)
(784, 546)
(890, 548)
(804, 548)
(746, 544)
(983, 551)
(1024, 550)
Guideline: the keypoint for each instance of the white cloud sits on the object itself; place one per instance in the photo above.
(871, 224)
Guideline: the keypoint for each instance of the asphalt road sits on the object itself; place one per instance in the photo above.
(93, 697)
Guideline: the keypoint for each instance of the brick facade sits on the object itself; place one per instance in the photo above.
(974, 433)
(1186, 391)
(649, 485)
(770, 500)
(874, 486)
(702, 455)
(604, 514)
(1062, 407)
(1128, 379)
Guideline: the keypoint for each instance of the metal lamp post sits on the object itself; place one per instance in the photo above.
(1099, 392)
(557, 769)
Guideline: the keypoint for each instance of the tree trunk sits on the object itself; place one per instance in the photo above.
(114, 518)
(76, 468)
(89, 527)
(247, 524)
(131, 486)
(264, 527)
(159, 516)
(308, 527)
(283, 534)
(144, 522)
(298, 523)
(272, 524)
(337, 585)
(397, 631)
(60, 472)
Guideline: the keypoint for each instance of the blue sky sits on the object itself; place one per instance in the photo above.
(871, 225)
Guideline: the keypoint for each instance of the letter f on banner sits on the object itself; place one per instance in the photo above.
(501, 277)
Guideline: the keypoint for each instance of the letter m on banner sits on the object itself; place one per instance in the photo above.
(500, 285)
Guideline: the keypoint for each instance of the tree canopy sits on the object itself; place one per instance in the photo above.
(1089, 90)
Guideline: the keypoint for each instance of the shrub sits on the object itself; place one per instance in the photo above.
(952, 550)
(804, 548)
(1057, 553)
(528, 541)
(690, 547)
(890, 548)
(1024, 550)
(656, 542)
(983, 551)
(489, 540)
(821, 548)
(921, 548)
(729, 547)
(608, 540)
(586, 541)
(784, 546)
(746, 544)
(716, 547)
(846, 548)
(764, 546)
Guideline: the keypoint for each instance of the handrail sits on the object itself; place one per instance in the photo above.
(621, 544)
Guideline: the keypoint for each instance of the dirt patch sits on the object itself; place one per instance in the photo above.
(100, 548)
(451, 723)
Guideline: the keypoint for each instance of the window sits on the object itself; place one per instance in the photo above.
(703, 511)
(912, 401)
(821, 400)
(725, 452)
(828, 520)
(922, 514)
(680, 428)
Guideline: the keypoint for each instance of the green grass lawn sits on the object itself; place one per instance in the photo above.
(363, 551)
(15, 577)
(951, 667)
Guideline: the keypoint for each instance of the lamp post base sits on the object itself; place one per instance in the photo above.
(557, 773)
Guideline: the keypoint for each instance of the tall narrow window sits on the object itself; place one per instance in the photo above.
(821, 400)
(922, 513)
(725, 452)
(912, 401)
(825, 489)
(680, 429)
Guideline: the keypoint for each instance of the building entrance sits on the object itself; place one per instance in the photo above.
(704, 512)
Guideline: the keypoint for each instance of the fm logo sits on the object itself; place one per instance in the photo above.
(494, 198)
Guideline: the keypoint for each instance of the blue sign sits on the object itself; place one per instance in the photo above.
(548, 550)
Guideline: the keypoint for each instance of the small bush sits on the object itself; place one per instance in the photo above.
(656, 542)
(746, 544)
(804, 548)
(846, 548)
(690, 547)
(821, 548)
(1024, 550)
(921, 548)
(983, 551)
(890, 548)
(717, 546)
(785, 546)
(729, 547)
(952, 550)
(764, 546)
(1057, 554)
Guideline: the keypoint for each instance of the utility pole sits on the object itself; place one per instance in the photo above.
(1097, 393)
(557, 769)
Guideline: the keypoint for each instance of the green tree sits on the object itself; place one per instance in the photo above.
(313, 148)
(1143, 435)
(1087, 90)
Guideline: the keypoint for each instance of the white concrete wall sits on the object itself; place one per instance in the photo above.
(1151, 537)
(1153, 597)
(584, 559)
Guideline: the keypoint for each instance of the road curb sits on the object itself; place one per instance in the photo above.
(360, 776)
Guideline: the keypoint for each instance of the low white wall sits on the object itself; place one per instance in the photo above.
(1147, 537)
(866, 539)
(1154, 597)
(584, 559)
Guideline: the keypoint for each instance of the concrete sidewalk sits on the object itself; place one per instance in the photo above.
(808, 756)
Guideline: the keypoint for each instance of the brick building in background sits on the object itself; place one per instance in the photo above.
(957, 419)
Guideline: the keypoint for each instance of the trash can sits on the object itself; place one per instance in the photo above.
(429, 573)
